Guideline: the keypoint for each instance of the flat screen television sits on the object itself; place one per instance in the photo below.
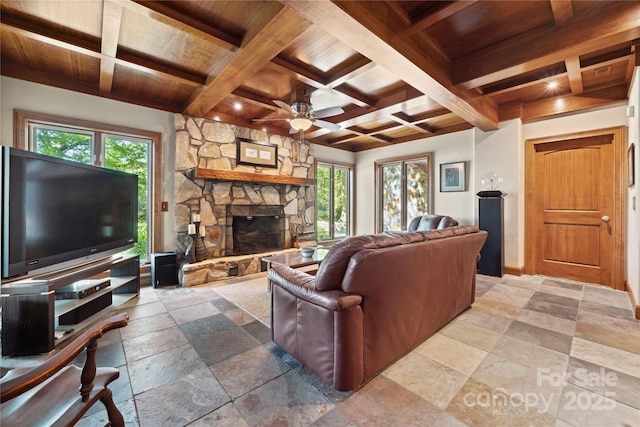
(59, 214)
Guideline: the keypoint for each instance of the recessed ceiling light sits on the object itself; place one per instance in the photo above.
(552, 85)
(237, 106)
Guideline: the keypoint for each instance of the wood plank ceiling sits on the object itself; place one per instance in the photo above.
(400, 70)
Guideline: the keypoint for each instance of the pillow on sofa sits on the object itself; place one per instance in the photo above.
(431, 222)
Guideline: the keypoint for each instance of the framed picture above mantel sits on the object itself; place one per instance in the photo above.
(256, 153)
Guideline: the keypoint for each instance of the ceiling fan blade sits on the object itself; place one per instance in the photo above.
(328, 112)
(284, 106)
(271, 119)
(326, 125)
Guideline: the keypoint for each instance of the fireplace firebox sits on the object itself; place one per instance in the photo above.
(254, 229)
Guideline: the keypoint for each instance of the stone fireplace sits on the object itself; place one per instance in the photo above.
(254, 229)
(271, 206)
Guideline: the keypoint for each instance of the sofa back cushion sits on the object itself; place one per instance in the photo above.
(334, 264)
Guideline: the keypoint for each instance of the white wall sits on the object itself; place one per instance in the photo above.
(501, 152)
(23, 95)
(633, 197)
(333, 155)
(448, 148)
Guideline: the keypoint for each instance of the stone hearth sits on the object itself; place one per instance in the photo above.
(221, 268)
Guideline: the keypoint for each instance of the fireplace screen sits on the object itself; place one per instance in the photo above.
(256, 229)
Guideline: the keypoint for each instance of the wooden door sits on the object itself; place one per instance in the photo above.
(574, 220)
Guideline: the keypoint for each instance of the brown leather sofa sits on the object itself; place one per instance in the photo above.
(374, 298)
(431, 222)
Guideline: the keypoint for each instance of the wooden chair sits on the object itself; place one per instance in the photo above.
(55, 394)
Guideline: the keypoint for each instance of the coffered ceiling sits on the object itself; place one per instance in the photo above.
(400, 70)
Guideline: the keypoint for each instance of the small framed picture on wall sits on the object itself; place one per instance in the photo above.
(453, 177)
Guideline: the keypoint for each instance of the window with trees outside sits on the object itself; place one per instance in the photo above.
(404, 191)
(112, 147)
(333, 201)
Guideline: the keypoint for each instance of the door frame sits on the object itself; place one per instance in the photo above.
(619, 142)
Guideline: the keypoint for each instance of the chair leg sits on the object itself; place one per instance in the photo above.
(115, 417)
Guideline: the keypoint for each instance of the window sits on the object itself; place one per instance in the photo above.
(122, 149)
(404, 191)
(333, 201)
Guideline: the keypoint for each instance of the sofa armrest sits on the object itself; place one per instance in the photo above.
(302, 285)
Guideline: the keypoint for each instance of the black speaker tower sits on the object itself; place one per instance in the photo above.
(491, 220)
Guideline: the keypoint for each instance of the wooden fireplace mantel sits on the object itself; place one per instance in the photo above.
(219, 175)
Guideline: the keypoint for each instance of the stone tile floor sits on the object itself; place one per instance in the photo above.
(532, 351)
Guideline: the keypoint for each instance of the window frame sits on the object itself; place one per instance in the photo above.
(22, 121)
(350, 198)
(403, 161)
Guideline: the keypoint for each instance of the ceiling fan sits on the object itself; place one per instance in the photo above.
(303, 116)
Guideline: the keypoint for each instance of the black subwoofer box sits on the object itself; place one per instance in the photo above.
(164, 269)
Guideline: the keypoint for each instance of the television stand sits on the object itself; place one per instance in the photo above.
(32, 317)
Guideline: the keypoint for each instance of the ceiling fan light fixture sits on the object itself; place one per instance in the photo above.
(300, 123)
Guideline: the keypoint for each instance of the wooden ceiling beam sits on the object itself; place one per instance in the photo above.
(562, 15)
(400, 11)
(422, 117)
(572, 103)
(313, 79)
(37, 32)
(162, 12)
(551, 75)
(562, 11)
(255, 99)
(361, 99)
(435, 132)
(387, 105)
(575, 75)
(376, 133)
(634, 61)
(405, 121)
(443, 13)
(89, 88)
(607, 62)
(111, 22)
(239, 121)
(367, 31)
(132, 60)
(549, 45)
(356, 135)
(93, 49)
(267, 38)
(303, 74)
(349, 69)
